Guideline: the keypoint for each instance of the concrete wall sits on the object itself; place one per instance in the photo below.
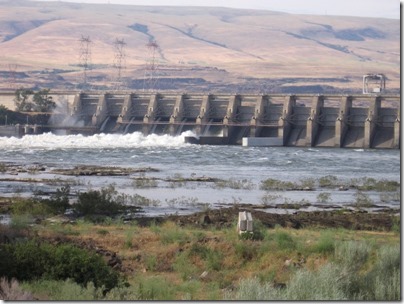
(357, 121)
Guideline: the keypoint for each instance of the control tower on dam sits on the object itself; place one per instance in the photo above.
(304, 120)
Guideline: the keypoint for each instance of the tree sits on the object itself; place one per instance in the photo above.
(43, 102)
(21, 100)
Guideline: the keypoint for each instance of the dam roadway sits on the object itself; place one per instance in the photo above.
(306, 120)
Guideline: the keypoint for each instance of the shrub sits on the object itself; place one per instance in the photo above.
(270, 199)
(105, 202)
(245, 251)
(154, 288)
(151, 262)
(66, 290)
(284, 240)
(214, 260)
(307, 183)
(12, 291)
(326, 284)
(325, 244)
(21, 222)
(352, 254)
(324, 197)
(30, 260)
(30, 207)
(83, 267)
(329, 181)
(362, 200)
(389, 288)
(173, 235)
(58, 202)
(382, 283)
(273, 184)
(184, 266)
(232, 183)
(252, 290)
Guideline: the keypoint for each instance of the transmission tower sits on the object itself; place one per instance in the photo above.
(85, 57)
(151, 77)
(12, 80)
(119, 62)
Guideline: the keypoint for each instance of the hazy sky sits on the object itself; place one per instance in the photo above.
(362, 8)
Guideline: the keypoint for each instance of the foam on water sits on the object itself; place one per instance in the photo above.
(51, 141)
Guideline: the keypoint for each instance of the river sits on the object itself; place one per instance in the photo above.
(172, 157)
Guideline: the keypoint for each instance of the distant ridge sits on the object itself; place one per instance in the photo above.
(221, 49)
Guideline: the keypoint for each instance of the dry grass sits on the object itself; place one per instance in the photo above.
(244, 43)
(180, 255)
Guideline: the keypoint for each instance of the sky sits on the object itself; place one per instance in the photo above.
(362, 8)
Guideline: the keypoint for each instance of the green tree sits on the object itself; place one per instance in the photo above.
(43, 102)
(22, 100)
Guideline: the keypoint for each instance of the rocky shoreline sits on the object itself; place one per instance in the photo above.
(226, 217)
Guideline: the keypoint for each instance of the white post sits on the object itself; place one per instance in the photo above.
(245, 222)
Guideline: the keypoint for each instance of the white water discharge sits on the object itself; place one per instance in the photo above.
(51, 141)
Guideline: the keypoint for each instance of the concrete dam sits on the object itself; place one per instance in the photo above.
(306, 120)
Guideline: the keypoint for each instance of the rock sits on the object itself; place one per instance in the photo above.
(205, 220)
(204, 275)
(288, 262)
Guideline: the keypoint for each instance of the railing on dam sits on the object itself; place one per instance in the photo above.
(351, 121)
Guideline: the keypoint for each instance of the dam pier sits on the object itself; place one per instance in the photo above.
(304, 120)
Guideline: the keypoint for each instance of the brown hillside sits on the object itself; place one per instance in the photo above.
(201, 49)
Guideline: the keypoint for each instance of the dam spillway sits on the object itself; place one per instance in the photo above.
(304, 120)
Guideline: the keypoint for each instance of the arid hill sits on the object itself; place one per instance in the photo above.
(199, 49)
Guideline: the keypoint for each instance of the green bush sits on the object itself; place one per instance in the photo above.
(326, 284)
(83, 267)
(246, 251)
(21, 222)
(31, 260)
(325, 244)
(67, 290)
(284, 240)
(252, 290)
(174, 235)
(274, 184)
(56, 204)
(362, 200)
(96, 203)
(214, 260)
(184, 266)
(30, 207)
(329, 181)
(383, 281)
(353, 254)
(154, 288)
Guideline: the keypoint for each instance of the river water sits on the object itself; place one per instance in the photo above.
(248, 166)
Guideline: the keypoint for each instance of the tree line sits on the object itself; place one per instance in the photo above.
(40, 101)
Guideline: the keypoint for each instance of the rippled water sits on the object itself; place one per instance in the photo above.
(173, 157)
